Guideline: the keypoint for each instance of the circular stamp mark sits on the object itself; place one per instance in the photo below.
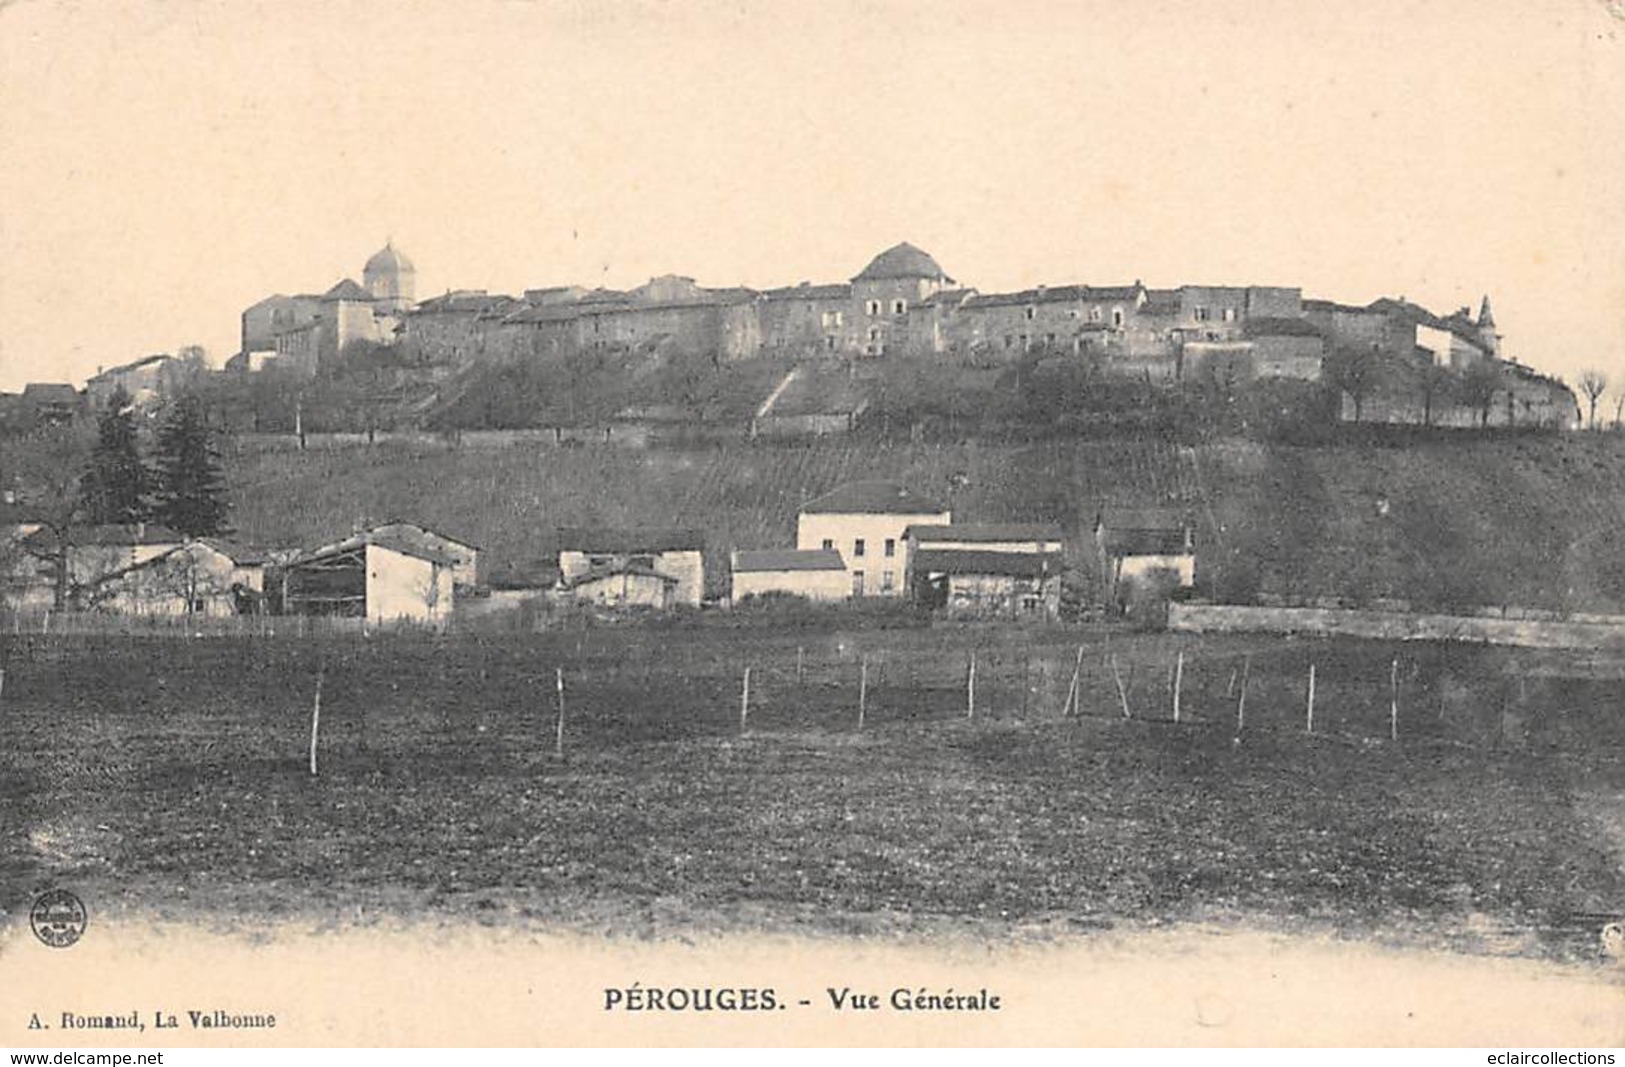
(58, 918)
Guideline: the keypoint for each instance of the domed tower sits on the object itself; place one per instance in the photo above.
(390, 279)
(1486, 329)
(884, 292)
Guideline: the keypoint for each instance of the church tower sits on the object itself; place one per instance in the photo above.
(1486, 329)
(390, 280)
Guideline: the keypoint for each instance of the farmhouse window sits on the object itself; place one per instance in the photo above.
(857, 583)
(872, 307)
(1117, 318)
(1032, 312)
(829, 544)
(1094, 314)
(1229, 314)
(1199, 314)
(858, 547)
(891, 547)
(899, 307)
(888, 581)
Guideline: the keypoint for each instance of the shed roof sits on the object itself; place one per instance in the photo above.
(773, 559)
(872, 498)
(1003, 564)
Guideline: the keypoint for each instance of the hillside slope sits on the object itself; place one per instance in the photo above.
(1530, 521)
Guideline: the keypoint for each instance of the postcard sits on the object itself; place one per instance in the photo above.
(901, 524)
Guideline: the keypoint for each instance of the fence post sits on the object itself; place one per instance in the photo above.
(863, 690)
(970, 689)
(1073, 697)
(1309, 713)
(1393, 701)
(1179, 679)
(1122, 694)
(1241, 701)
(316, 718)
(744, 702)
(800, 657)
(558, 724)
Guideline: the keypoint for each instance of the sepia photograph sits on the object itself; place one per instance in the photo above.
(888, 523)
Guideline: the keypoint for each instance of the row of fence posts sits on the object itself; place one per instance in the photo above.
(1072, 705)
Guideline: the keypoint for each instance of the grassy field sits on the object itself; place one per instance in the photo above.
(170, 777)
(1534, 522)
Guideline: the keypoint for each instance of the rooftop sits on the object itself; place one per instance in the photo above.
(902, 261)
(1005, 564)
(347, 289)
(775, 559)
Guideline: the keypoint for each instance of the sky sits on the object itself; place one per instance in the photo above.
(164, 165)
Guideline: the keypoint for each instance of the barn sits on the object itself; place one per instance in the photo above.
(379, 579)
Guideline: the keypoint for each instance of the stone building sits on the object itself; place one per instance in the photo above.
(300, 333)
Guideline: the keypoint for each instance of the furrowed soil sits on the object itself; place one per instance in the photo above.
(171, 779)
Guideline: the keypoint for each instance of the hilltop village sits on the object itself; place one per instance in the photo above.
(806, 360)
(1388, 360)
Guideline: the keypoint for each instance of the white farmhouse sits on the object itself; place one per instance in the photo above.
(865, 522)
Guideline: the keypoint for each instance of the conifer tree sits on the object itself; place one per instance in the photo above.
(190, 495)
(116, 482)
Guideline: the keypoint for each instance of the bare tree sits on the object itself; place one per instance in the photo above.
(1593, 383)
(48, 467)
(1479, 384)
(1354, 370)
